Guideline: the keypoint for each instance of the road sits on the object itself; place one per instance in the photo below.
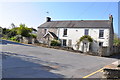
(27, 61)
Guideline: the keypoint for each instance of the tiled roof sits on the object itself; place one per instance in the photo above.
(77, 24)
(52, 34)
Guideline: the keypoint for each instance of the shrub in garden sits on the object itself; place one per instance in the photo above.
(55, 43)
(13, 38)
(33, 35)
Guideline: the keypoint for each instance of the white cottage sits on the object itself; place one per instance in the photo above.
(69, 33)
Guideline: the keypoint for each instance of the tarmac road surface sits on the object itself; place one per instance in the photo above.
(27, 61)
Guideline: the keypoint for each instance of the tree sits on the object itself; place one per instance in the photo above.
(13, 31)
(116, 40)
(5, 31)
(23, 30)
(12, 25)
(33, 29)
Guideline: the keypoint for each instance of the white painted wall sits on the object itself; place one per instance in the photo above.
(75, 33)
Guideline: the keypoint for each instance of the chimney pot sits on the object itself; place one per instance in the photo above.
(111, 18)
(48, 19)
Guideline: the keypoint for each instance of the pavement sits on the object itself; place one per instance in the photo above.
(27, 61)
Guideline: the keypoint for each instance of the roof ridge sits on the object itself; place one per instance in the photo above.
(76, 20)
(78, 23)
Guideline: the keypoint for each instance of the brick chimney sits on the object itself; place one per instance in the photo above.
(111, 18)
(48, 19)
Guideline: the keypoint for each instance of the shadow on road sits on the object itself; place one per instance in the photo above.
(17, 67)
(5, 42)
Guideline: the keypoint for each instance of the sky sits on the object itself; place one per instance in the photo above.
(34, 14)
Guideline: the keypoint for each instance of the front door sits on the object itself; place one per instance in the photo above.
(85, 47)
(64, 42)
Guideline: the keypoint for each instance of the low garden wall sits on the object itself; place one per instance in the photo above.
(112, 71)
(104, 51)
(29, 40)
(116, 49)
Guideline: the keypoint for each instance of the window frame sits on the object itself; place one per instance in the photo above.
(45, 31)
(65, 32)
(65, 42)
(100, 44)
(86, 32)
(101, 34)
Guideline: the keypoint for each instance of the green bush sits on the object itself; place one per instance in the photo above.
(55, 43)
(116, 41)
(33, 35)
(24, 31)
(13, 38)
(86, 37)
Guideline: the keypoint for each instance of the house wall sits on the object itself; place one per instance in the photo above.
(41, 33)
(47, 39)
(111, 38)
(75, 33)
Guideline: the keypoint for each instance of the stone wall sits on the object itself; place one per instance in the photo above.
(28, 40)
(112, 71)
(116, 49)
(105, 51)
(41, 33)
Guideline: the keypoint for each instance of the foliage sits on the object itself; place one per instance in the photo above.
(8, 33)
(55, 43)
(13, 38)
(33, 29)
(12, 25)
(33, 35)
(116, 40)
(85, 37)
(5, 31)
(13, 32)
(24, 31)
(16, 33)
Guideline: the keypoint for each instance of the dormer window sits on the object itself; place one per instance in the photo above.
(65, 32)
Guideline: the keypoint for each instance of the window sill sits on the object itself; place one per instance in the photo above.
(64, 35)
(101, 38)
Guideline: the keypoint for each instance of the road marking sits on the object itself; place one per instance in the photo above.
(93, 73)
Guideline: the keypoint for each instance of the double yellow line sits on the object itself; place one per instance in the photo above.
(93, 73)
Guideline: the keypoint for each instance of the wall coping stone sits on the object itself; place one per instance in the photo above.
(114, 65)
